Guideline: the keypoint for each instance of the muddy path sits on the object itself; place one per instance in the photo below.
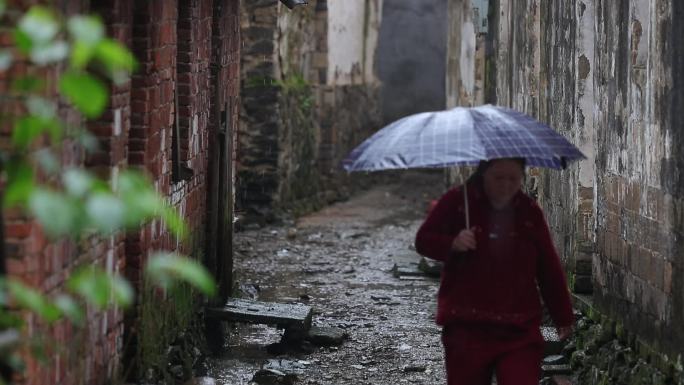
(339, 261)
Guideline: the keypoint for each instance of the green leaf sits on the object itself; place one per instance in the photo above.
(28, 128)
(22, 41)
(91, 284)
(49, 53)
(77, 182)
(69, 308)
(115, 56)
(5, 59)
(100, 288)
(166, 268)
(39, 24)
(122, 291)
(141, 201)
(3, 7)
(56, 213)
(175, 222)
(86, 29)
(81, 54)
(31, 299)
(19, 183)
(85, 92)
(105, 211)
(87, 32)
(28, 83)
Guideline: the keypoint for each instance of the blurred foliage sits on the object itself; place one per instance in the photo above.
(69, 201)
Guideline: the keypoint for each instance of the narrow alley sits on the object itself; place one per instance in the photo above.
(339, 261)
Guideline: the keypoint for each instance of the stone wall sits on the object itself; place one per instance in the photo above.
(604, 75)
(639, 260)
(304, 107)
(176, 43)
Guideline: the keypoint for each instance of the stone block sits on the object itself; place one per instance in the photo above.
(406, 270)
(583, 266)
(550, 370)
(285, 315)
(430, 267)
(583, 284)
(326, 336)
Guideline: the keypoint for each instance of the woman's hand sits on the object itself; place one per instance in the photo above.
(564, 332)
(464, 241)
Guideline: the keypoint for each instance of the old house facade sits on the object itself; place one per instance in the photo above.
(176, 120)
(309, 94)
(606, 75)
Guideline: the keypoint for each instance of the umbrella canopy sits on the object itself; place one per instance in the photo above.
(462, 136)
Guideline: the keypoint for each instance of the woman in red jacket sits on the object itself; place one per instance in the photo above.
(494, 274)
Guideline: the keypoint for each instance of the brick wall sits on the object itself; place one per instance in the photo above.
(189, 55)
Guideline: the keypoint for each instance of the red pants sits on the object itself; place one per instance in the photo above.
(474, 354)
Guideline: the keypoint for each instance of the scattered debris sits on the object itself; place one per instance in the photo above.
(430, 267)
(414, 368)
(273, 377)
(326, 336)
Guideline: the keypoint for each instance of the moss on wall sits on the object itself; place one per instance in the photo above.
(169, 335)
(300, 137)
(603, 351)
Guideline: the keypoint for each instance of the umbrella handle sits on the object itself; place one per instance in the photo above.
(465, 199)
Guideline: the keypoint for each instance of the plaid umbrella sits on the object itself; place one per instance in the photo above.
(462, 136)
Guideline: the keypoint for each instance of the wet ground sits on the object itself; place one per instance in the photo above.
(339, 261)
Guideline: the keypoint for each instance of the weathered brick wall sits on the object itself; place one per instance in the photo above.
(191, 48)
(605, 75)
(638, 267)
(89, 354)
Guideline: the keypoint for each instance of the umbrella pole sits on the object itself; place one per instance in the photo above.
(465, 199)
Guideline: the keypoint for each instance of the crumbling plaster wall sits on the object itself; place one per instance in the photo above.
(353, 28)
(639, 260)
(607, 75)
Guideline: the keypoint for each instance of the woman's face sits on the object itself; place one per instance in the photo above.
(502, 180)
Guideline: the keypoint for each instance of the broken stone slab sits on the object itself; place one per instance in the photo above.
(556, 359)
(552, 370)
(273, 377)
(553, 344)
(430, 267)
(326, 336)
(245, 310)
(414, 278)
(414, 368)
(406, 270)
(286, 366)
